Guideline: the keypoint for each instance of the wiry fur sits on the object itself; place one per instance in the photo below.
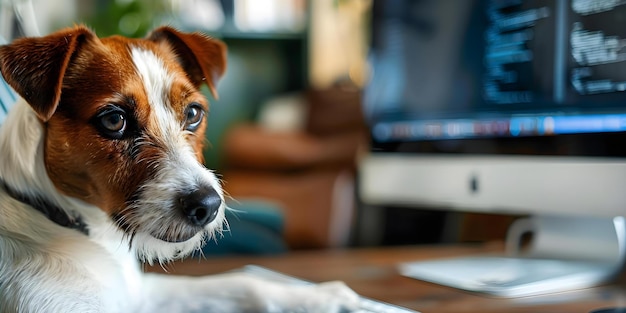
(46, 267)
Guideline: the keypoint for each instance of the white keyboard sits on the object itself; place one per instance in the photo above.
(373, 306)
(510, 277)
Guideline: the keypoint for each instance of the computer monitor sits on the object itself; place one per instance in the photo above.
(504, 106)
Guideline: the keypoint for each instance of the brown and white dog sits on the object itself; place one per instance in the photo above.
(101, 168)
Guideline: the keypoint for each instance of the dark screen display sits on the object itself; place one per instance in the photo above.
(522, 77)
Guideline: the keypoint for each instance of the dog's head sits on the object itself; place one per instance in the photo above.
(125, 123)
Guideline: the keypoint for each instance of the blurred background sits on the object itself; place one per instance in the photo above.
(287, 130)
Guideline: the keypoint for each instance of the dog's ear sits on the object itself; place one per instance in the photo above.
(202, 57)
(35, 67)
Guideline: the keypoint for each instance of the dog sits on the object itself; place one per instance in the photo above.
(101, 171)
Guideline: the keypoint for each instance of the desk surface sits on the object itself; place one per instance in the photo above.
(372, 273)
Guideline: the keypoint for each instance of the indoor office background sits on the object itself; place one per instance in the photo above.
(287, 131)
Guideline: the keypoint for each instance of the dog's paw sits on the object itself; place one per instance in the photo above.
(329, 297)
(244, 292)
(339, 293)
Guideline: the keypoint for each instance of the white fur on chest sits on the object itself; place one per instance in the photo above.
(42, 265)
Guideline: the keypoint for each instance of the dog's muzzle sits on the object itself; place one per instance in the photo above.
(201, 206)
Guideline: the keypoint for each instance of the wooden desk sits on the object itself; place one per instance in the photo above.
(372, 273)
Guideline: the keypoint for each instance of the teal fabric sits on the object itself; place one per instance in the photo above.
(256, 227)
(7, 97)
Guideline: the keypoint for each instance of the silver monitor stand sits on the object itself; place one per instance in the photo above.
(565, 253)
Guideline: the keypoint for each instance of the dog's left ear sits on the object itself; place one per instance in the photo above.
(202, 57)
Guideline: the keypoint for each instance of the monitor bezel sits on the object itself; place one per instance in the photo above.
(504, 184)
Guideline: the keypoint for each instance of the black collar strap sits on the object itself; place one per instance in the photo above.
(51, 211)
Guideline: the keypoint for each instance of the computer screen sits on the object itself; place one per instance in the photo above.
(447, 70)
(505, 106)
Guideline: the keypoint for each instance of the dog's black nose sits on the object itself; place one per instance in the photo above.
(201, 206)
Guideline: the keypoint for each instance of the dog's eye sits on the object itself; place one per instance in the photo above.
(193, 116)
(112, 123)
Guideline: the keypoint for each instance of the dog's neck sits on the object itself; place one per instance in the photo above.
(23, 175)
(51, 211)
